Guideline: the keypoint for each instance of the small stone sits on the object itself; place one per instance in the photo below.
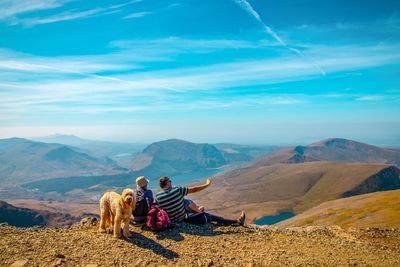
(138, 262)
(88, 221)
(91, 265)
(19, 263)
(60, 256)
(58, 262)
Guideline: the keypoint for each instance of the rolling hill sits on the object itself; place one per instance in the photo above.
(22, 160)
(122, 153)
(27, 217)
(21, 217)
(176, 157)
(379, 209)
(335, 150)
(298, 178)
(267, 190)
(172, 157)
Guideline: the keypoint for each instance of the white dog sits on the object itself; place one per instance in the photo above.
(116, 209)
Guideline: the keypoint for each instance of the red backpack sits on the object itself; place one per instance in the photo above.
(157, 219)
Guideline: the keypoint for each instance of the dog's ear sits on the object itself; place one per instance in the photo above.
(121, 202)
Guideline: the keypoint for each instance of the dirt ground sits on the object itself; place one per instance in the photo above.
(208, 245)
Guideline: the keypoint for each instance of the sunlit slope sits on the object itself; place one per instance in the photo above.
(379, 209)
(297, 187)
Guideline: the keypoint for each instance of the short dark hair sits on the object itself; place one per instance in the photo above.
(164, 181)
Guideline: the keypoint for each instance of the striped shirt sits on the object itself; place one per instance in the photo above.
(171, 200)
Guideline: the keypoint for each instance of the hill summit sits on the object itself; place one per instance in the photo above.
(335, 150)
(175, 156)
(207, 245)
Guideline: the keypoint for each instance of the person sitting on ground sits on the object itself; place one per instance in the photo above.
(144, 200)
(192, 207)
(171, 199)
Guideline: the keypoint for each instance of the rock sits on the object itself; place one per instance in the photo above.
(88, 222)
(58, 262)
(3, 224)
(60, 256)
(91, 265)
(138, 262)
(19, 263)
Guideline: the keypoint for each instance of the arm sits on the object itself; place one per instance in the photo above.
(198, 188)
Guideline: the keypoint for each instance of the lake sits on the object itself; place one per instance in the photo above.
(267, 220)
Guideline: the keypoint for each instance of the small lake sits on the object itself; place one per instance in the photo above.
(267, 220)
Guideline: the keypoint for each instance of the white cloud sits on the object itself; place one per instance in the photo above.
(64, 16)
(12, 8)
(370, 98)
(48, 85)
(137, 15)
(64, 64)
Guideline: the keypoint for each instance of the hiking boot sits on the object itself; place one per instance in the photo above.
(242, 218)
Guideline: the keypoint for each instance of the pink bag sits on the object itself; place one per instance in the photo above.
(157, 219)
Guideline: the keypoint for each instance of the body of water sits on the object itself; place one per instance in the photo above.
(268, 220)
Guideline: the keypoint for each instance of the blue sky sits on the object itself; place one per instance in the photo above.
(207, 71)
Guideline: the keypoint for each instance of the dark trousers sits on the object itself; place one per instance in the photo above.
(204, 217)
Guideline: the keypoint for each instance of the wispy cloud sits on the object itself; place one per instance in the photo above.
(9, 10)
(176, 44)
(174, 5)
(63, 64)
(12, 8)
(64, 16)
(370, 98)
(116, 83)
(137, 15)
(247, 7)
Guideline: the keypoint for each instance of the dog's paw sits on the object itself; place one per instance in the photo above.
(102, 230)
(128, 235)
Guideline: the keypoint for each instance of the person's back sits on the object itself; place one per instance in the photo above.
(144, 200)
(171, 200)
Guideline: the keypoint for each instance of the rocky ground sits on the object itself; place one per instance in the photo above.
(209, 245)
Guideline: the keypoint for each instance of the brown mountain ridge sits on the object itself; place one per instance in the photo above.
(298, 178)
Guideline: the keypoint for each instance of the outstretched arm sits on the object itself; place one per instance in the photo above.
(198, 188)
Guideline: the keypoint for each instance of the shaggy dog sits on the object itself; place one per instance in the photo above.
(116, 209)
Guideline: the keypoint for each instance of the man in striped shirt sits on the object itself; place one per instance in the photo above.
(171, 199)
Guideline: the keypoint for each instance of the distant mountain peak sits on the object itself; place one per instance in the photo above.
(333, 149)
(333, 142)
(62, 136)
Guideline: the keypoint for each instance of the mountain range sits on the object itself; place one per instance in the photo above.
(42, 168)
(289, 179)
(175, 157)
(333, 149)
(298, 178)
(23, 160)
(120, 152)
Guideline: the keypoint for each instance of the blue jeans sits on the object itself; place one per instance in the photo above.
(204, 217)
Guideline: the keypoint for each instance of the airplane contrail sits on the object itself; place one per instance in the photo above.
(249, 9)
